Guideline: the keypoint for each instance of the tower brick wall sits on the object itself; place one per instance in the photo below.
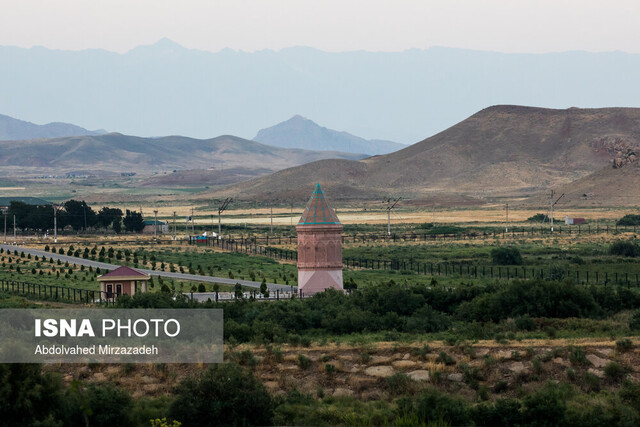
(319, 246)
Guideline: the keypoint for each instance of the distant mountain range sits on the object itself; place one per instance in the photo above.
(166, 89)
(117, 153)
(500, 151)
(14, 129)
(300, 132)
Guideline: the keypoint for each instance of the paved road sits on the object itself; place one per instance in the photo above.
(179, 276)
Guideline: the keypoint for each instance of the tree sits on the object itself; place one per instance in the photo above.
(108, 216)
(32, 217)
(117, 225)
(221, 396)
(28, 396)
(263, 288)
(133, 221)
(78, 215)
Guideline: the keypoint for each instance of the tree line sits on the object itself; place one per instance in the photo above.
(76, 215)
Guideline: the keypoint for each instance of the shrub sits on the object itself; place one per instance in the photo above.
(433, 406)
(443, 357)
(109, 406)
(506, 255)
(536, 298)
(304, 361)
(629, 219)
(624, 345)
(526, 323)
(590, 382)
(500, 386)
(27, 396)
(546, 406)
(627, 248)
(221, 396)
(330, 368)
(578, 357)
(614, 371)
(634, 321)
(399, 383)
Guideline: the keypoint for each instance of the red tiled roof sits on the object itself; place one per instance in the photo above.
(124, 271)
(318, 210)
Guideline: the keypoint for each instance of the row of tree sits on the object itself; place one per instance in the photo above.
(75, 214)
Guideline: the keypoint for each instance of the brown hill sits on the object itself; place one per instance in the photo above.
(605, 187)
(123, 153)
(499, 151)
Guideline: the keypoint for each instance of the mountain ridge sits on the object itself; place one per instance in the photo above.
(117, 152)
(301, 132)
(500, 151)
(398, 96)
(12, 129)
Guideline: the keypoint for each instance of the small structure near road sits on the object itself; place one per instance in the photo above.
(574, 221)
(151, 225)
(319, 246)
(123, 280)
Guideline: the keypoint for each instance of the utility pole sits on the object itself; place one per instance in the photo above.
(389, 207)
(186, 227)
(84, 210)
(5, 225)
(193, 233)
(506, 226)
(155, 225)
(55, 224)
(551, 209)
(271, 217)
(552, 205)
(221, 209)
(174, 225)
(14, 228)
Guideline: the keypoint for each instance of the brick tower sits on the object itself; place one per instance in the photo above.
(319, 246)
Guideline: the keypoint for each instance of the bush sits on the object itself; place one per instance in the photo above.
(221, 396)
(634, 322)
(624, 345)
(399, 383)
(578, 357)
(108, 405)
(614, 371)
(546, 406)
(629, 220)
(304, 361)
(534, 298)
(526, 323)
(626, 248)
(433, 406)
(506, 255)
(27, 396)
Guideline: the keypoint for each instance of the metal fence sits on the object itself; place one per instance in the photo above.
(57, 293)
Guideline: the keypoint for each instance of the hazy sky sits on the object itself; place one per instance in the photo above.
(534, 26)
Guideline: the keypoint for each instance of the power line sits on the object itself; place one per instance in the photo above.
(221, 209)
(390, 206)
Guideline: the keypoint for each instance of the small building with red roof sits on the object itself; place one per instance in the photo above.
(123, 280)
(319, 246)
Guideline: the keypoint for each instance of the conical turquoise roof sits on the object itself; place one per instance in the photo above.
(318, 211)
